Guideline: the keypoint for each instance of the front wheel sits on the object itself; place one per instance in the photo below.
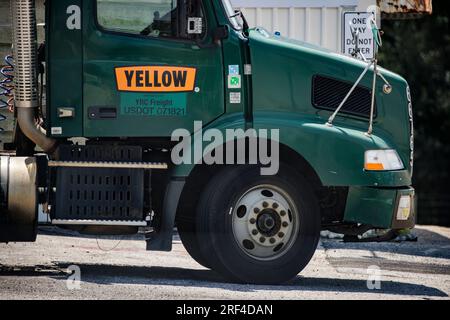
(258, 229)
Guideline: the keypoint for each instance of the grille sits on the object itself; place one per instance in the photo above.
(328, 94)
(24, 51)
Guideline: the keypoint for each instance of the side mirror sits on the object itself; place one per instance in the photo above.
(220, 33)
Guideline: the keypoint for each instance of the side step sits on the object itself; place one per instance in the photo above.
(99, 222)
(109, 165)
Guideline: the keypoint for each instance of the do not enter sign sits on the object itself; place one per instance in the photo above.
(361, 22)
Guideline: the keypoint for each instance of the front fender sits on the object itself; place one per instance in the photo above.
(230, 121)
(336, 153)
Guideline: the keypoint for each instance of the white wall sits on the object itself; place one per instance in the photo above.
(364, 4)
(315, 21)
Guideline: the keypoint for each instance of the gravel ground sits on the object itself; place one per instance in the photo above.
(409, 270)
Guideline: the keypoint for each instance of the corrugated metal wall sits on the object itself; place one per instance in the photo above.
(315, 21)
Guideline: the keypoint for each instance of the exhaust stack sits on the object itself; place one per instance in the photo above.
(25, 77)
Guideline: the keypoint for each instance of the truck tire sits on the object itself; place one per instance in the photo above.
(258, 229)
(186, 230)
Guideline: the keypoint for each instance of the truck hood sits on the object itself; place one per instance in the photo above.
(283, 45)
(257, 33)
(282, 79)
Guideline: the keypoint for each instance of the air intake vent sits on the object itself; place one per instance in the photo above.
(328, 94)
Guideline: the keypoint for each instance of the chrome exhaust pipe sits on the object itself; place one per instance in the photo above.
(25, 72)
(34, 132)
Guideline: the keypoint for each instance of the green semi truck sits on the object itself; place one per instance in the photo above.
(98, 105)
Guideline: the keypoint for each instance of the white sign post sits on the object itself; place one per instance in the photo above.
(359, 21)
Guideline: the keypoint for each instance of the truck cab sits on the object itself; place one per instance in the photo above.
(145, 108)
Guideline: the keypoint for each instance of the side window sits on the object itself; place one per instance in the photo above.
(153, 18)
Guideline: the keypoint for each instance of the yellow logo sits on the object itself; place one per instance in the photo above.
(155, 79)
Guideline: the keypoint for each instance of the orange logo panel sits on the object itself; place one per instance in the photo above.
(155, 79)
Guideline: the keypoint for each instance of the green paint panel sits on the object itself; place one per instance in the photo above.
(374, 206)
(336, 153)
(105, 50)
(283, 70)
(371, 206)
(65, 70)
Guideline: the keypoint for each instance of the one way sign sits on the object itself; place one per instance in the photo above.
(366, 42)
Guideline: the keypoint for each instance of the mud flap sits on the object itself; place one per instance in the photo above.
(161, 240)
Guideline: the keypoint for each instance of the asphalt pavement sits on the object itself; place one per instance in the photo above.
(62, 265)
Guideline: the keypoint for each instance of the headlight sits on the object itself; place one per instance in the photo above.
(382, 160)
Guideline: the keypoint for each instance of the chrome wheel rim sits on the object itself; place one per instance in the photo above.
(265, 222)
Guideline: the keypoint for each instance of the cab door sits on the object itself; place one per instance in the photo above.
(149, 67)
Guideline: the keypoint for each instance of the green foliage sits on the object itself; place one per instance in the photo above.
(419, 50)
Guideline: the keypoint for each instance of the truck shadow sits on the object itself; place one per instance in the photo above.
(430, 244)
(105, 274)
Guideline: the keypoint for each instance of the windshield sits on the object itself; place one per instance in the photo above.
(236, 20)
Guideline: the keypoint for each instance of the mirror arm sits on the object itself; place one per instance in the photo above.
(219, 33)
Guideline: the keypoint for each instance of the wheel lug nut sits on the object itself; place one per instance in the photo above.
(255, 232)
(283, 213)
(262, 239)
(285, 224)
(281, 234)
(252, 220)
(265, 204)
(272, 240)
(256, 210)
(275, 205)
